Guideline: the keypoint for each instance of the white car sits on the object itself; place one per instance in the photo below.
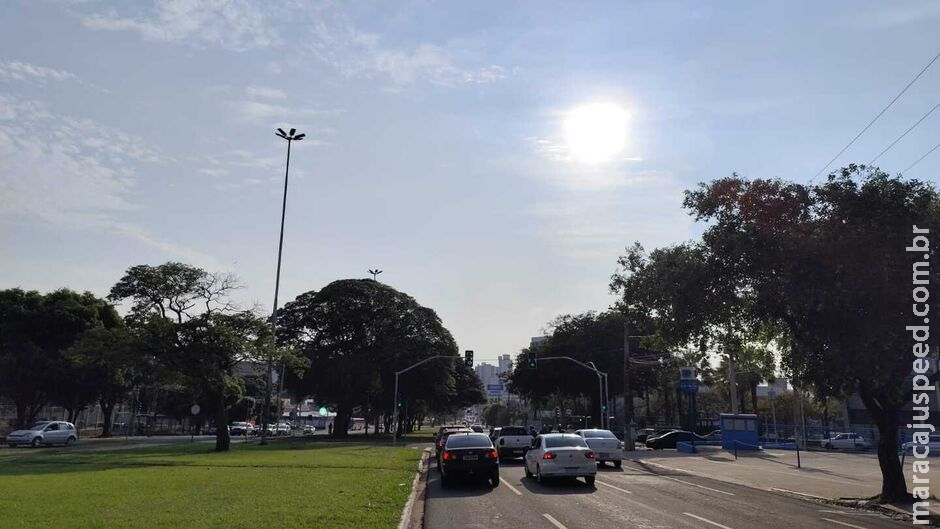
(933, 445)
(605, 444)
(282, 428)
(309, 430)
(561, 455)
(846, 440)
(513, 442)
(44, 433)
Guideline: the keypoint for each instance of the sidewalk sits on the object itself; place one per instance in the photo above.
(827, 474)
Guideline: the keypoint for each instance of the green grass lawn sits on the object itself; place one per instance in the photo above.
(290, 485)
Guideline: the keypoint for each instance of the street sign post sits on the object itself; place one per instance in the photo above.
(194, 410)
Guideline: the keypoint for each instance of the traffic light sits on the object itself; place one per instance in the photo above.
(533, 362)
(468, 358)
(400, 402)
(604, 408)
(557, 412)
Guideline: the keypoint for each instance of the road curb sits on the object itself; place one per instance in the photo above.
(412, 517)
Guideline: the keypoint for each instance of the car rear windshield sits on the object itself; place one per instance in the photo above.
(598, 434)
(513, 430)
(564, 441)
(475, 440)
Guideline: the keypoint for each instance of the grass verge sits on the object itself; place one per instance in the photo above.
(280, 485)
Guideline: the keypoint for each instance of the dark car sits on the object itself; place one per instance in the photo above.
(438, 439)
(469, 455)
(442, 440)
(670, 439)
(650, 433)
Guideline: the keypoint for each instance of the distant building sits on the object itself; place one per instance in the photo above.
(780, 386)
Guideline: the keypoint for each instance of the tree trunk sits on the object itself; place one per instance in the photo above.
(341, 421)
(885, 415)
(222, 438)
(107, 411)
(20, 415)
(754, 396)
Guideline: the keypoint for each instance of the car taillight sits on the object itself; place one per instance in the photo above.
(590, 455)
(448, 456)
(492, 454)
(549, 455)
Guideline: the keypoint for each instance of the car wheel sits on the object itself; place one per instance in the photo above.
(538, 474)
(69, 441)
(589, 480)
(618, 464)
(35, 442)
(828, 446)
(494, 480)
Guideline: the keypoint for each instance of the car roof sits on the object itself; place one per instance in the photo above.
(559, 434)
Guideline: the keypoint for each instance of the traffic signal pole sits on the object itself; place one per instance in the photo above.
(395, 396)
(601, 376)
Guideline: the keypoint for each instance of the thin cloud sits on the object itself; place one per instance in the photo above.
(237, 25)
(22, 71)
(72, 173)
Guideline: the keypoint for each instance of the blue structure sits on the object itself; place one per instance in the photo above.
(739, 431)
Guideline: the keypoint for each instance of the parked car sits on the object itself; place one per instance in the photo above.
(714, 435)
(240, 428)
(469, 455)
(513, 442)
(560, 455)
(44, 433)
(933, 445)
(282, 428)
(670, 439)
(309, 430)
(478, 428)
(846, 440)
(651, 433)
(605, 444)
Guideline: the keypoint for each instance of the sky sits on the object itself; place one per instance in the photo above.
(492, 158)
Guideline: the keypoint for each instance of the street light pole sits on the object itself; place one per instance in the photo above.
(290, 137)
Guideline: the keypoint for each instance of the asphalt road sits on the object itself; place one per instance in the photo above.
(629, 497)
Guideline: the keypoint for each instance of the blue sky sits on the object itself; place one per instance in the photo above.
(141, 132)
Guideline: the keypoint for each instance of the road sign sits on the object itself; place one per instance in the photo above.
(687, 373)
(688, 386)
(194, 409)
(494, 389)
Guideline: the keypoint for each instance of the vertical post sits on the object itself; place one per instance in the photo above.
(395, 412)
(627, 399)
(733, 384)
(600, 398)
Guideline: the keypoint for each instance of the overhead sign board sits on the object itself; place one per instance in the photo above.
(688, 386)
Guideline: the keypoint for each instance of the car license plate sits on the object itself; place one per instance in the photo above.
(517, 451)
(470, 458)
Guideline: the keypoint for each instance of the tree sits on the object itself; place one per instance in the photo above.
(356, 334)
(35, 331)
(186, 323)
(113, 363)
(827, 263)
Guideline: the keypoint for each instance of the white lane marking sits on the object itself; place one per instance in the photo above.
(613, 487)
(514, 489)
(846, 524)
(706, 520)
(699, 486)
(555, 522)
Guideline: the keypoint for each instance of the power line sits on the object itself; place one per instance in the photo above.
(872, 122)
(888, 148)
(928, 153)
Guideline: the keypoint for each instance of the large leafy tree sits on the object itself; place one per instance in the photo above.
(356, 334)
(35, 331)
(186, 323)
(827, 263)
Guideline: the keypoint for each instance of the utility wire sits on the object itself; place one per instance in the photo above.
(888, 148)
(872, 122)
(928, 153)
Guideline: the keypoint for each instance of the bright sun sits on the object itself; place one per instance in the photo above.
(596, 132)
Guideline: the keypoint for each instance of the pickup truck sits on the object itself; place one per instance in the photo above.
(513, 442)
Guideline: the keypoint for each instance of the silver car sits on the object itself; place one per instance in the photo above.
(44, 433)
